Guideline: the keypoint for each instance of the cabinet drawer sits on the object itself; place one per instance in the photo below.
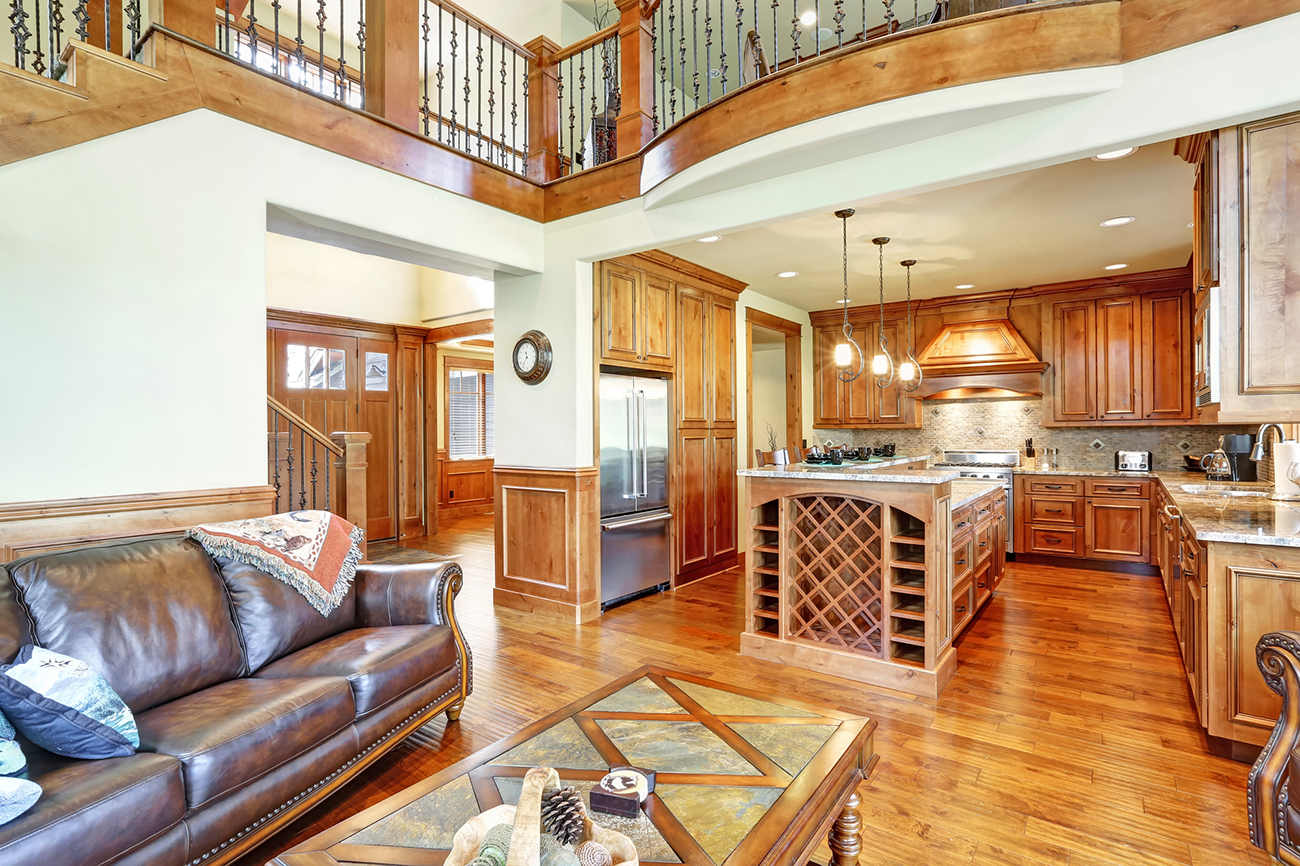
(1059, 541)
(983, 541)
(983, 510)
(1117, 487)
(962, 519)
(1055, 486)
(963, 605)
(1047, 509)
(963, 558)
(983, 584)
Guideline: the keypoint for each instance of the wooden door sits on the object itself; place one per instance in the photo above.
(375, 386)
(620, 338)
(658, 303)
(1118, 530)
(1119, 376)
(827, 389)
(890, 402)
(1074, 360)
(691, 519)
(411, 470)
(1166, 361)
(692, 372)
(722, 497)
(722, 338)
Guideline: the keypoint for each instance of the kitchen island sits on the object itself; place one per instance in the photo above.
(851, 569)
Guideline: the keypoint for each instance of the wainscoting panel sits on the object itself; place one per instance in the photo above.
(547, 541)
(35, 527)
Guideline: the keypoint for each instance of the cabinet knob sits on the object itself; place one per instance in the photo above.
(961, 609)
(959, 562)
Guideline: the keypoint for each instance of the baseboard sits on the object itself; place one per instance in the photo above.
(1139, 568)
(519, 601)
(465, 510)
(56, 524)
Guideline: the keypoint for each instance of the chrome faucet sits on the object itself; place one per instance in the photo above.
(1257, 453)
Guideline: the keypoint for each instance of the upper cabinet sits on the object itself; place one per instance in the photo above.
(1246, 256)
(636, 317)
(861, 402)
(1122, 359)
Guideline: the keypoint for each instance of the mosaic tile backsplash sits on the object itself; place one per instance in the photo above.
(1005, 424)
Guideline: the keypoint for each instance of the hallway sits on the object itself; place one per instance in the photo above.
(1069, 709)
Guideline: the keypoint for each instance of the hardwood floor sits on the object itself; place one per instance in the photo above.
(1066, 737)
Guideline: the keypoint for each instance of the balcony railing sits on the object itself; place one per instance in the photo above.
(39, 30)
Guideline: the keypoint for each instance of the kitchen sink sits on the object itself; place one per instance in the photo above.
(1206, 489)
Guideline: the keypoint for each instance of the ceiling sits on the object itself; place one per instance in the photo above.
(1025, 229)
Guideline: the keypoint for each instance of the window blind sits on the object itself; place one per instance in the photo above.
(471, 417)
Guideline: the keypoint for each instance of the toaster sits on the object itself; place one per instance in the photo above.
(1133, 461)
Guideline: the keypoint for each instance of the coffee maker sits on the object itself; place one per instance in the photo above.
(1237, 446)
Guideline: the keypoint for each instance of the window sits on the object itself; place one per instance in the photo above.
(376, 371)
(471, 418)
(315, 367)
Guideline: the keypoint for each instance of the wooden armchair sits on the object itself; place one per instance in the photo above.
(1274, 820)
(779, 457)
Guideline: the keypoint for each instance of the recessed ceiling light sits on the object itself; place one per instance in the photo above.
(711, 239)
(1115, 154)
(808, 18)
(843, 301)
(1118, 221)
(966, 286)
(1115, 267)
(785, 275)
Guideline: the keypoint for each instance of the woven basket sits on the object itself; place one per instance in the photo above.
(525, 843)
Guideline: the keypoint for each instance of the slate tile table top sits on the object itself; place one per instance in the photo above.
(744, 778)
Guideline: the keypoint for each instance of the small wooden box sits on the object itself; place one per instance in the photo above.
(624, 804)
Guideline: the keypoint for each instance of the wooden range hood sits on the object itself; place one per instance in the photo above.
(979, 360)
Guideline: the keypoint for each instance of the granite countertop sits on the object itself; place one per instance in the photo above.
(966, 491)
(857, 472)
(1095, 473)
(1217, 516)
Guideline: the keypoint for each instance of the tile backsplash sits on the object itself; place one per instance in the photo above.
(1005, 424)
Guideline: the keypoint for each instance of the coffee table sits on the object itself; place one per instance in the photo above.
(745, 778)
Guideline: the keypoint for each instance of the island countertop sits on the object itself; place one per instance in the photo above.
(885, 470)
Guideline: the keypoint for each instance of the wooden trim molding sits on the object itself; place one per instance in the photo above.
(548, 541)
(476, 328)
(34, 527)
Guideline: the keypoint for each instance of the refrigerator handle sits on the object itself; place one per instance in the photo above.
(644, 429)
(629, 405)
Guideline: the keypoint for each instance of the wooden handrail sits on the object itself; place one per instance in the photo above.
(578, 47)
(486, 28)
(297, 419)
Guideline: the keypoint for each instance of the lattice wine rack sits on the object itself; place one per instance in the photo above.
(855, 576)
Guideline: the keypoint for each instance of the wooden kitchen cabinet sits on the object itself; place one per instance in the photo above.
(636, 317)
(1118, 529)
(860, 403)
(1084, 517)
(1119, 363)
(1074, 360)
(979, 555)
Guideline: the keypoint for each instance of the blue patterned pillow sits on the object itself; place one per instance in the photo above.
(12, 759)
(16, 797)
(65, 707)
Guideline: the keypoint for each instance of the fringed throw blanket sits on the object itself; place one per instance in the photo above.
(315, 552)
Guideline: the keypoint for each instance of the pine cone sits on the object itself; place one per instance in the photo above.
(563, 814)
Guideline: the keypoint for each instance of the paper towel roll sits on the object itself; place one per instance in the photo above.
(1284, 454)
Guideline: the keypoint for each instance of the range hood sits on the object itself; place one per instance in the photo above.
(979, 360)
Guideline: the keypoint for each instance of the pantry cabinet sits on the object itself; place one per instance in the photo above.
(636, 317)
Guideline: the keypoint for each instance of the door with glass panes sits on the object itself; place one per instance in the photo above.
(339, 383)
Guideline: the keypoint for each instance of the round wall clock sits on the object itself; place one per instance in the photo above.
(532, 357)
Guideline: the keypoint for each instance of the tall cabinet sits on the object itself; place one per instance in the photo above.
(692, 338)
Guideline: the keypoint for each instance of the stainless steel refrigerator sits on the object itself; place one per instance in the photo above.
(635, 554)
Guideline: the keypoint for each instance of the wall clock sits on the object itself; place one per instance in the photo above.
(532, 357)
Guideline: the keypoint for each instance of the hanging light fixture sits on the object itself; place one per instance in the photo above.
(844, 349)
(882, 363)
(910, 370)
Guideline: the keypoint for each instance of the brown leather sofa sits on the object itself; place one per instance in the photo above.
(251, 706)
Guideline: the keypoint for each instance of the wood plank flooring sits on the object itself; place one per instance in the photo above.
(1066, 737)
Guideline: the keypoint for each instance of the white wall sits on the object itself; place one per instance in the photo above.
(302, 275)
(135, 323)
(447, 298)
(768, 397)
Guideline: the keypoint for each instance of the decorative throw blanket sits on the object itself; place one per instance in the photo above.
(315, 552)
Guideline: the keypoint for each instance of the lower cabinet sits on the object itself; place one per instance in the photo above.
(979, 555)
(1118, 529)
(1084, 517)
(705, 513)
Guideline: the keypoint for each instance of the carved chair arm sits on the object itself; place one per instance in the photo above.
(1278, 656)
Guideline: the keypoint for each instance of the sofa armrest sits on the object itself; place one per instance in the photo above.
(416, 594)
(1278, 656)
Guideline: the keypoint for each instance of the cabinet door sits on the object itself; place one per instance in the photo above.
(1166, 373)
(692, 358)
(657, 309)
(1194, 638)
(889, 402)
(1119, 376)
(1205, 228)
(1201, 349)
(722, 495)
(827, 390)
(620, 289)
(722, 339)
(691, 521)
(1074, 360)
(860, 395)
(1118, 529)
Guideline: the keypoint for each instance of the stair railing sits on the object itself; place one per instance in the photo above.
(312, 470)
(39, 31)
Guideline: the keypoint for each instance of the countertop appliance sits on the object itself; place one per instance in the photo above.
(1133, 461)
(635, 553)
(992, 466)
(1238, 447)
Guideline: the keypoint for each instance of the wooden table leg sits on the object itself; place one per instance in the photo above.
(846, 834)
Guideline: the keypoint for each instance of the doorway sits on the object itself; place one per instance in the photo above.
(774, 383)
(466, 434)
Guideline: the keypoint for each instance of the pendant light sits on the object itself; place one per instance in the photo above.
(910, 370)
(882, 363)
(844, 350)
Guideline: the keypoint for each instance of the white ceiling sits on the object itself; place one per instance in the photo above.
(1026, 229)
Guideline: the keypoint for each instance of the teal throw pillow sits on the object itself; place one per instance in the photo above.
(12, 759)
(65, 707)
(16, 797)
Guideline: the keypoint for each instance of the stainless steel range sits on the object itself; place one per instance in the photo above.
(991, 466)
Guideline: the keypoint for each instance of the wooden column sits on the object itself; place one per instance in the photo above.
(543, 112)
(195, 19)
(350, 478)
(636, 114)
(393, 61)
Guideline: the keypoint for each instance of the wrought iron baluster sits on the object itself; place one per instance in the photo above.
(595, 134)
(839, 23)
(817, 25)
(453, 134)
(889, 16)
(108, 26)
(320, 56)
(559, 111)
(82, 16)
(740, 45)
(251, 30)
(289, 461)
(657, 93)
(275, 439)
(708, 54)
(681, 54)
(479, 107)
(722, 44)
(56, 30)
(864, 20)
(341, 74)
(573, 155)
(672, 36)
(424, 79)
(503, 106)
(361, 54)
(275, 46)
(776, 46)
(794, 33)
(582, 97)
(313, 473)
(695, 51)
(514, 110)
(440, 13)
(38, 63)
(329, 470)
(302, 472)
(467, 87)
(299, 55)
(527, 120)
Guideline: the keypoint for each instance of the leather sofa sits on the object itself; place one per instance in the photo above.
(251, 706)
